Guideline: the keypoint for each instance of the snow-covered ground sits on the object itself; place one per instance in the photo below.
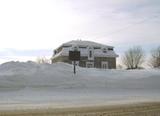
(31, 84)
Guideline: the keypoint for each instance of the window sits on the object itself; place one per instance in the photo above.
(97, 48)
(83, 47)
(90, 54)
(75, 48)
(90, 64)
(104, 50)
(111, 49)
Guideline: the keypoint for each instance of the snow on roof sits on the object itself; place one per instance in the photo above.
(85, 43)
(81, 43)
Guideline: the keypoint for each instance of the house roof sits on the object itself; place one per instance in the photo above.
(81, 43)
(85, 43)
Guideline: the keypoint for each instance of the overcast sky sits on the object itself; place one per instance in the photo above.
(32, 28)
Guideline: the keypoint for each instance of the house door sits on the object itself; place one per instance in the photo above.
(104, 65)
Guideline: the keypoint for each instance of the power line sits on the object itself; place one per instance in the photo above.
(131, 25)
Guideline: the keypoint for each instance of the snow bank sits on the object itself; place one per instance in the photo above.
(23, 83)
(60, 75)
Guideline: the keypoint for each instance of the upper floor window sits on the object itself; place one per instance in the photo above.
(90, 54)
(111, 49)
(83, 47)
(75, 48)
(97, 48)
(104, 50)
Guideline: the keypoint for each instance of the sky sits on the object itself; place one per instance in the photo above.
(34, 28)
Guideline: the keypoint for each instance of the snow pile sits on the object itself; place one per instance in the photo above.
(28, 82)
(60, 75)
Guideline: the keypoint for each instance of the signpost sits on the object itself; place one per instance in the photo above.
(74, 56)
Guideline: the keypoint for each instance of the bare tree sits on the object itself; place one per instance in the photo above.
(133, 58)
(155, 58)
(42, 60)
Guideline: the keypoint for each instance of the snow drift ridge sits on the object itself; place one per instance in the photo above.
(59, 75)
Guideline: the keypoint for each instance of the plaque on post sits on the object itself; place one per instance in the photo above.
(74, 56)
